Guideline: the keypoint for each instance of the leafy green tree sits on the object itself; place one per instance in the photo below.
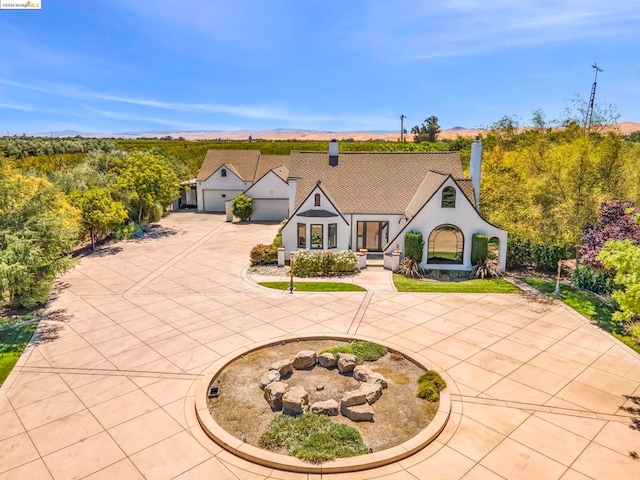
(100, 213)
(38, 227)
(624, 257)
(242, 207)
(545, 185)
(428, 131)
(144, 179)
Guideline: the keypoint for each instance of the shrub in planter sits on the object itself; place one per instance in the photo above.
(429, 386)
(242, 207)
(345, 262)
(479, 248)
(327, 262)
(263, 254)
(308, 263)
(414, 246)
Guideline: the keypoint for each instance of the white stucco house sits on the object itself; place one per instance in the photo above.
(369, 200)
(357, 200)
(225, 174)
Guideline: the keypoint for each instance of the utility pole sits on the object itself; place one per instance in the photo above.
(589, 118)
(402, 117)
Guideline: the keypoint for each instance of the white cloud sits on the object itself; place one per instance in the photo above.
(17, 106)
(255, 112)
(409, 30)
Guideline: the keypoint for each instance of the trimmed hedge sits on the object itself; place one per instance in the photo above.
(414, 246)
(308, 264)
(479, 248)
(541, 256)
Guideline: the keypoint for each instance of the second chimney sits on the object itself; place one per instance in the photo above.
(333, 153)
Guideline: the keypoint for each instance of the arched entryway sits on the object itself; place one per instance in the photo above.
(446, 245)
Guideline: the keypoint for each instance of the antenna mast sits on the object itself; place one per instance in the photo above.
(589, 117)
(402, 117)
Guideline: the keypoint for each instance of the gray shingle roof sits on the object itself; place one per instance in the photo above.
(370, 182)
(278, 163)
(242, 162)
(249, 165)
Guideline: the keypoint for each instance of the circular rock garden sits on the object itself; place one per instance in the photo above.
(344, 383)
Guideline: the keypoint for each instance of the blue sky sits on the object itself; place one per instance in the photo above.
(115, 65)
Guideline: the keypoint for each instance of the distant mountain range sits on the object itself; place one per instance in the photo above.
(293, 134)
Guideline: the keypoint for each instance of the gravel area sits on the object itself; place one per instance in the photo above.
(269, 270)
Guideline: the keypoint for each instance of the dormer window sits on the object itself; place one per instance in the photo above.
(223, 172)
(448, 197)
(316, 200)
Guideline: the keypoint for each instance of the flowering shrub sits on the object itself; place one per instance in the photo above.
(307, 263)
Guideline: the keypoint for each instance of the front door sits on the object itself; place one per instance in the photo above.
(373, 235)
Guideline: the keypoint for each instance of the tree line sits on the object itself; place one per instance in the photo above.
(43, 217)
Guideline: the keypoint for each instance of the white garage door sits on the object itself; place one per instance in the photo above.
(267, 209)
(214, 199)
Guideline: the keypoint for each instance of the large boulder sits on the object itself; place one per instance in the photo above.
(283, 367)
(327, 360)
(295, 401)
(376, 377)
(273, 394)
(304, 359)
(346, 362)
(358, 413)
(362, 373)
(371, 391)
(354, 397)
(269, 377)
(328, 407)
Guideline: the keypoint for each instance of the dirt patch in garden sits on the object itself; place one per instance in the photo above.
(244, 413)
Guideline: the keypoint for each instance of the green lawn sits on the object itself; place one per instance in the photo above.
(13, 339)
(588, 305)
(494, 285)
(315, 286)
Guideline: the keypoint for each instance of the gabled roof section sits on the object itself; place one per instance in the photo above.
(244, 163)
(466, 186)
(278, 163)
(370, 182)
(431, 183)
(318, 186)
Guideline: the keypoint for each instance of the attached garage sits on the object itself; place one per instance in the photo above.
(270, 209)
(213, 199)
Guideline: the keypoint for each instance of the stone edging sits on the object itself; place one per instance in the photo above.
(341, 465)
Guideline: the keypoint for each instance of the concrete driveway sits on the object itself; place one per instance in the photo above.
(102, 392)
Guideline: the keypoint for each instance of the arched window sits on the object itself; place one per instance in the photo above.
(448, 197)
(316, 200)
(223, 172)
(446, 245)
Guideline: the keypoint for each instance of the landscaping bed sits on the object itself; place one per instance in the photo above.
(399, 414)
(493, 285)
(315, 286)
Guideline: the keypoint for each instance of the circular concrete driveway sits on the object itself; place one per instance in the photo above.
(102, 391)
